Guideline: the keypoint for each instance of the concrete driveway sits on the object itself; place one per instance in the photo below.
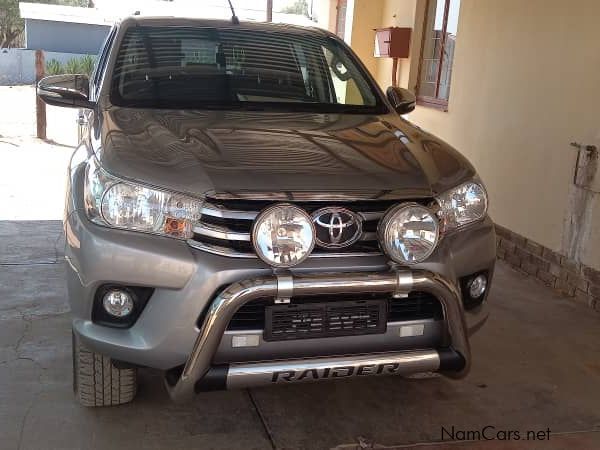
(536, 367)
(536, 363)
(32, 172)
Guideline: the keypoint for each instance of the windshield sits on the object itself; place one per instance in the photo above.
(185, 67)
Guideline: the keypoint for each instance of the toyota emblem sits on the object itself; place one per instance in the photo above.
(336, 227)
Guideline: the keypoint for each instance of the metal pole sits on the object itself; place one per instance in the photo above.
(269, 10)
(395, 73)
(40, 106)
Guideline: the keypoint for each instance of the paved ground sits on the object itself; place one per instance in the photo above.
(32, 172)
(536, 367)
(17, 117)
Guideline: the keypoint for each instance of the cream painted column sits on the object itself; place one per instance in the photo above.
(362, 17)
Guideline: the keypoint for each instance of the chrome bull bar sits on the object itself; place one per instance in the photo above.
(398, 283)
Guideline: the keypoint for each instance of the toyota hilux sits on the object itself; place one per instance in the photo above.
(246, 207)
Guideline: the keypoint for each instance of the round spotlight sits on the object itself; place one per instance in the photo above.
(477, 286)
(283, 235)
(409, 233)
(118, 303)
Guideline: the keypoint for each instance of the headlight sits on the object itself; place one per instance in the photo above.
(462, 205)
(283, 235)
(112, 202)
(409, 233)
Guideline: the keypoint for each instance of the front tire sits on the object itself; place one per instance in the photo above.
(97, 382)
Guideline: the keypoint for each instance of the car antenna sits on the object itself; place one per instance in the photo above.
(234, 18)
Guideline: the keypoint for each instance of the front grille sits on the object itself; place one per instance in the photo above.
(330, 319)
(225, 226)
(417, 306)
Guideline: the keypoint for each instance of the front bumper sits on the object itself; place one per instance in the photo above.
(186, 280)
(453, 358)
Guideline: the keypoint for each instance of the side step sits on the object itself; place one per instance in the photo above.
(244, 375)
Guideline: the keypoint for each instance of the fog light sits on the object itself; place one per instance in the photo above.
(477, 286)
(117, 303)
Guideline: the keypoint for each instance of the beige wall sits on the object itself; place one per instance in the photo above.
(365, 16)
(525, 84)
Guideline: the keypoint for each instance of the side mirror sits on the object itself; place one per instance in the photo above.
(65, 90)
(401, 99)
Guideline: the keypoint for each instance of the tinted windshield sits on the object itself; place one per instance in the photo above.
(180, 67)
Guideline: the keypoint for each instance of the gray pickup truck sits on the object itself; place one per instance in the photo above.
(246, 207)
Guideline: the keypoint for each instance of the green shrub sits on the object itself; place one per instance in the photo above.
(73, 66)
(87, 64)
(83, 64)
(53, 67)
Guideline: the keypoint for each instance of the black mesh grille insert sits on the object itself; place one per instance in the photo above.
(329, 319)
(417, 306)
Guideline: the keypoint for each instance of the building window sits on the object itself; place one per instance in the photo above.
(437, 54)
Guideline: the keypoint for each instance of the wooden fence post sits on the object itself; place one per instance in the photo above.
(40, 106)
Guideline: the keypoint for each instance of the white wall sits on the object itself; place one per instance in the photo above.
(17, 66)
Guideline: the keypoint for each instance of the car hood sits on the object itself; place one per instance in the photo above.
(265, 154)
